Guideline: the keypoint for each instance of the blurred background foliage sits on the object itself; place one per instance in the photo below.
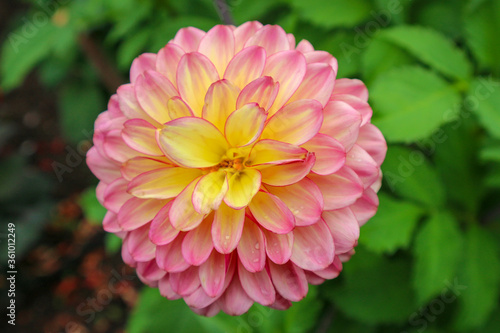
(428, 261)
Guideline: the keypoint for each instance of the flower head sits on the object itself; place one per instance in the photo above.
(236, 167)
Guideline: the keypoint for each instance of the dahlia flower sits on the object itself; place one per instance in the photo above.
(236, 167)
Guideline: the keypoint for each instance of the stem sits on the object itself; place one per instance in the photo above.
(109, 75)
(224, 11)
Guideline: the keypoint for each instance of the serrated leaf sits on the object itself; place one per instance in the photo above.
(480, 273)
(481, 34)
(485, 93)
(23, 49)
(437, 252)
(432, 48)
(392, 227)
(375, 290)
(92, 209)
(411, 102)
(381, 56)
(454, 148)
(408, 173)
(333, 13)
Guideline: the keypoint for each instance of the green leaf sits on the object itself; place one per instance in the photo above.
(375, 290)
(381, 56)
(303, 315)
(437, 252)
(92, 209)
(333, 13)
(492, 325)
(248, 10)
(408, 173)
(154, 313)
(431, 48)
(113, 243)
(341, 45)
(392, 227)
(79, 106)
(445, 17)
(23, 50)
(491, 152)
(454, 147)
(411, 102)
(485, 94)
(481, 33)
(480, 274)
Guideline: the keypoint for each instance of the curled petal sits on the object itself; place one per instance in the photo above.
(340, 189)
(371, 139)
(130, 106)
(253, 117)
(244, 32)
(220, 102)
(137, 212)
(304, 200)
(257, 286)
(167, 61)
(169, 257)
(288, 68)
(275, 152)
(213, 273)
(105, 169)
(140, 135)
(144, 62)
(286, 174)
(322, 57)
(195, 74)
(365, 207)
(242, 187)
(351, 87)
(278, 247)
(295, 123)
(162, 183)
(344, 228)
(189, 38)
(317, 84)
(313, 247)
(227, 228)
(186, 282)
(116, 195)
(166, 288)
(341, 122)
(209, 192)
(192, 142)
(246, 66)
(271, 37)
(290, 281)
(272, 213)
(116, 149)
(356, 103)
(182, 214)
(235, 300)
(330, 154)
(218, 46)
(138, 165)
(178, 109)
(161, 231)
(363, 164)
(138, 244)
(153, 91)
(262, 91)
(252, 247)
(197, 244)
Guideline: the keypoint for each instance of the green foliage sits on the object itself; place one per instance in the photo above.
(411, 102)
(480, 274)
(392, 227)
(433, 73)
(436, 264)
(92, 209)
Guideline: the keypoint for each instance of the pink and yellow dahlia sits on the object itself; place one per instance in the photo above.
(237, 168)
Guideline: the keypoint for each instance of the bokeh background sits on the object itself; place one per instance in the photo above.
(427, 262)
